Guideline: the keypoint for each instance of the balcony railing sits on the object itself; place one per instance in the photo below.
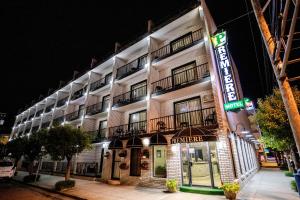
(78, 93)
(205, 117)
(45, 124)
(178, 45)
(131, 67)
(125, 130)
(74, 115)
(58, 120)
(35, 129)
(98, 84)
(132, 96)
(30, 117)
(62, 102)
(38, 113)
(98, 135)
(180, 80)
(87, 168)
(94, 109)
(49, 108)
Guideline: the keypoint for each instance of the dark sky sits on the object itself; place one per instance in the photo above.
(44, 41)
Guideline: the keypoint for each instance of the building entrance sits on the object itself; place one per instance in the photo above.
(200, 164)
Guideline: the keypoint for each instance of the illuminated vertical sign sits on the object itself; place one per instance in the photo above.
(225, 67)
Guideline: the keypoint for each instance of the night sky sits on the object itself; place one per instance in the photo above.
(43, 42)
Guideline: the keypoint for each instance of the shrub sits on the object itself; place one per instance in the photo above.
(31, 178)
(60, 185)
(171, 185)
(289, 174)
(294, 186)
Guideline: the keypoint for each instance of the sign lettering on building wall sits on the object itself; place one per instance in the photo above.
(225, 67)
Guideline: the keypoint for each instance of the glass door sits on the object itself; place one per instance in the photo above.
(184, 74)
(105, 103)
(138, 90)
(138, 121)
(115, 173)
(200, 164)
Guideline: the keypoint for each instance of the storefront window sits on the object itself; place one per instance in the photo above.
(159, 161)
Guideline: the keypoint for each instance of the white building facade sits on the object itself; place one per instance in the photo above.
(155, 111)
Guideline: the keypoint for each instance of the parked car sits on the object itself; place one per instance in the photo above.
(7, 169)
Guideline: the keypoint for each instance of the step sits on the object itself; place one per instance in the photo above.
(114, 182)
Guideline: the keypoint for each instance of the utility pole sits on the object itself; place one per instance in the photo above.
(279, 49)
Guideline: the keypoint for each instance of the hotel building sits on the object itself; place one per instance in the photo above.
(155, 111)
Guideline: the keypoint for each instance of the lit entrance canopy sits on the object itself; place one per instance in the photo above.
(158, 139)
(134, 142)
(191, 135)
(116, 143)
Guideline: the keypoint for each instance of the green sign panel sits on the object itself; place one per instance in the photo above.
(219, 39)
(234, 105)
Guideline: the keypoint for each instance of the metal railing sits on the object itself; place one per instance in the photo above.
(98, 84)
(62, 102)
(78, 93)
(94, 109)
(131, 96)
(58, 120)
(47, 166)
(98, 135)
(34, 129)
(131, 67)
(49, 108)
(87, 168)
(38, 113)
(45, 124)
(201, 118)
(181, 79)
(31, 116)
(74, 115)
(136, 128)
(178, 45)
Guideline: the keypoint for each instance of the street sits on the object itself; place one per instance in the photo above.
(12, 190)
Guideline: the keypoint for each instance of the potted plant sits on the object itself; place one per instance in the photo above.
(145, 165)
(123, 154)
(230, 189)
(171, 185)
(145, 153)
(106, 155)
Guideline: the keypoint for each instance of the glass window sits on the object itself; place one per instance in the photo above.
(159, 161)
(105, 102)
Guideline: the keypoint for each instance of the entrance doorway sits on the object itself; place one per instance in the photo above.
(200, 164)
(115, 172)
(135, 162)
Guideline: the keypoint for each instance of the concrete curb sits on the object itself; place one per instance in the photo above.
(50, 190)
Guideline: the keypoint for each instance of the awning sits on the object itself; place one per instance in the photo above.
(158, 139)
(134, 142)
(116, 143)
(191, 135)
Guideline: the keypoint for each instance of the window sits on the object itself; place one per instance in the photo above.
(108, 78)
(184, 74)
(159, 161)
(105, 102)
(138, 120)
(139, 90)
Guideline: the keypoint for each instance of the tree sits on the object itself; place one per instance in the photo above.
(63, 142)
(16, 148)
(32, 150)
(273, 121)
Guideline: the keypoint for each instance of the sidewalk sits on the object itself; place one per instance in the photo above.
(93, 190)
(267, 184)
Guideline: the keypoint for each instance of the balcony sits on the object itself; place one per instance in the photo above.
(180, 80)
(38, 113)
(98, 84)
(74, 115)
(45, 124)
(132, 96)
(30, 117)
(205, 117)
(131, 67)
(177, 45)
(62, 102)
(58, 120)
(94, 109)
(49, 108)
(78, 93)
(35, 129)
(126, 130)
(98, 135)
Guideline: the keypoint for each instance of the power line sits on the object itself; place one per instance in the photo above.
(235, 19)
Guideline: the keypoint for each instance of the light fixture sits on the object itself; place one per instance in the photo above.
(146, 65)
(105, 145)
(107, 109)
(173, 148)
(146, 142)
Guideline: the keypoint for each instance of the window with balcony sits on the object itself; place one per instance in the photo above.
(62, 101)
(138, 92)
(137, 121)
